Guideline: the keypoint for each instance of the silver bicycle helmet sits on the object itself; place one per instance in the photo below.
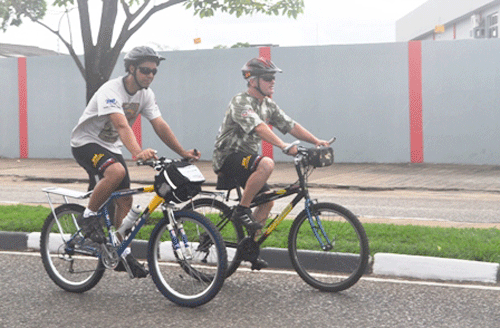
(141, 54)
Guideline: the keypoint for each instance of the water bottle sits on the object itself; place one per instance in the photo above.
(130, 219)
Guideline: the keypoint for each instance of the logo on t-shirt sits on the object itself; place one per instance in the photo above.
(247, 112)
(111, 101)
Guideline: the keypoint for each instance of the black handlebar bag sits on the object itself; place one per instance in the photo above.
(178, 182)
(320, 156)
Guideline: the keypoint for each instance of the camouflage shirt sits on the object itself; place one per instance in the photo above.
(237, 132)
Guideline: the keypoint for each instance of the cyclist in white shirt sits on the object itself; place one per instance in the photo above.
(105, 126)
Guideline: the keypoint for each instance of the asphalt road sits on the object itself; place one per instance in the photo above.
(29, 298)
(446, 208)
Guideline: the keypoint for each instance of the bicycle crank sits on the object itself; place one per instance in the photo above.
(109, 256)
(248, 250)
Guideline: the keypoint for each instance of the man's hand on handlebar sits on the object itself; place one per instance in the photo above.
(322, 143)
(146, 154)
(192, 155)
(291, 149)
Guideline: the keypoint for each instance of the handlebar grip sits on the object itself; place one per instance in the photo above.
(287, 148)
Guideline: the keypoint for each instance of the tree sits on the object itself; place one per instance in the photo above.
(100, 58)
(236, 45)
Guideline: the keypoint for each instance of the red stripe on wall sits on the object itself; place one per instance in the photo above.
(267, 148)
(415, 92)
(137, 128)
(23, 107)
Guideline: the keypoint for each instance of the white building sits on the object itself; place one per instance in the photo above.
(450, 20)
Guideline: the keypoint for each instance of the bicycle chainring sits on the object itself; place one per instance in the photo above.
(248, 250)
(109, 256)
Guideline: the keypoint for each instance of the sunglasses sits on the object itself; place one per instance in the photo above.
(268, 78)
(147, 70)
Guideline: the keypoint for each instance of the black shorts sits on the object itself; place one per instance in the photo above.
(239, 166)
(95, 159)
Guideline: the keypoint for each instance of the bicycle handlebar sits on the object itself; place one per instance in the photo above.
(163, 160)
(158, 163)
(296, 142)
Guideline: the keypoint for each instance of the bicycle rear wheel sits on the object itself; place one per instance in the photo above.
(197, 278)
(220, 215)
(69, 259)
(343, 259)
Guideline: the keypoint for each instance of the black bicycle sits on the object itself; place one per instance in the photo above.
(186, 254)
(327, 244)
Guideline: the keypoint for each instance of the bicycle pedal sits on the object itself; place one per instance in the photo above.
(123, 266)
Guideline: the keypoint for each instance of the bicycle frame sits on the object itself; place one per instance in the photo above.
(302, 192)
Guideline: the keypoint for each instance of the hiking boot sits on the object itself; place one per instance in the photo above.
(244, 216)
(138, 270)
(259, 263)
(91, 228)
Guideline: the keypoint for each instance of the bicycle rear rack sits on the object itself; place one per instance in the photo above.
(65, 193)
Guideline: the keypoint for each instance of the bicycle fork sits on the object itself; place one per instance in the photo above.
(315, 219)
(172, 227)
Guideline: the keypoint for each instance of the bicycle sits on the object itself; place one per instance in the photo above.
(186, 255)
(327, 244)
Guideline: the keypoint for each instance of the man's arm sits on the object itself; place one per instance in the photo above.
(299, 132)
(166, 135)
(268, 135)
(128, 138)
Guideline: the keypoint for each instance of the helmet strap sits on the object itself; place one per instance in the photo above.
(258, 86)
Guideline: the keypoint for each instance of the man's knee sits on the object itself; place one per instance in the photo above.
(266, 164)
(115, 172)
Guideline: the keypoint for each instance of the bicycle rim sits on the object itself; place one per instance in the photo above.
(332, 269)
(194, 280)
(74, 268)
(219, 214)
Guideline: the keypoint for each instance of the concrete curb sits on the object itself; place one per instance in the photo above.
(397, 265)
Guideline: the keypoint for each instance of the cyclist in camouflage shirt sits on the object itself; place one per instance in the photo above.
(245, 124)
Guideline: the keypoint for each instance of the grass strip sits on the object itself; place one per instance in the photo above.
(457, 243)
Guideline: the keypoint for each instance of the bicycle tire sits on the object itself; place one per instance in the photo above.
(70, 269)
(338, 268)
(188, 282)
(232, 232)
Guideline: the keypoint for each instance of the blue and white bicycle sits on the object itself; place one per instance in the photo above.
(186, 254)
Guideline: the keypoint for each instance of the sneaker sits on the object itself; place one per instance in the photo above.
(91, 228)
(138, 270)
(259, 263)
(82, 243)
(244, 216)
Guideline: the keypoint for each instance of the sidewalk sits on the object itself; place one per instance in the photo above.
(433, 177)
(342, 175)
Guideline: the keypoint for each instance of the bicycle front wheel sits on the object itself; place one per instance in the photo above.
(329, 250)
(196, 276)
(68, 258)
(220, 215)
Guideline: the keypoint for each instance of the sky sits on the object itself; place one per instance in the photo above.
(324, 22)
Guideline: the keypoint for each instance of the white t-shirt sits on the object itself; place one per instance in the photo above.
(94, 126)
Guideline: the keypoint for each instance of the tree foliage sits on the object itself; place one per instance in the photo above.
(100, 57)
